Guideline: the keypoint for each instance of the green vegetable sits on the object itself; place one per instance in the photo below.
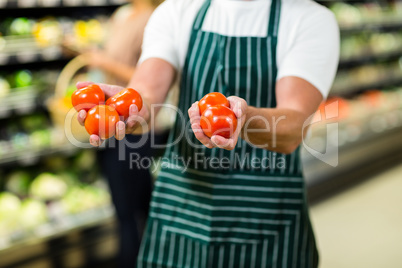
(40, 138)
(32, 213)
(18, 182)
(21, 26)
(9, 211)
(23, 78)
(48, 186)
(4, 87)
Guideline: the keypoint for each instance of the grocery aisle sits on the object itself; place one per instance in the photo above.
(362, 226)
(55, 206)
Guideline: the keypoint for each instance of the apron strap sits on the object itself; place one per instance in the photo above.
(272, 23)
(201, 15)
(274, 15)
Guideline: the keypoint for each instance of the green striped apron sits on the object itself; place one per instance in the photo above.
(218, 208)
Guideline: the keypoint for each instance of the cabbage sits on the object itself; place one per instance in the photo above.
(32, 213)
(48, 186)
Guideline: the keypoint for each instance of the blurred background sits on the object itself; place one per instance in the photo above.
(55, 207)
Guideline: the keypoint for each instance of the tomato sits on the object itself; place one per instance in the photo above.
(123, 100)
(212, 99)
(87, 97)
(101, 120)
(218, 120)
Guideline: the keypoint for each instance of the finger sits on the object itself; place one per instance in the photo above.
(132, 120)
(82, 84)
(237, 105)
(194, 113)
(110, 90)
(199, 134)
(120, 130)
(221, 142)
(81, 117)
(95, 140)
(133, 110)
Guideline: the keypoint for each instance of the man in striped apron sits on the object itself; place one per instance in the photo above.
(234, 215)
(245, 205)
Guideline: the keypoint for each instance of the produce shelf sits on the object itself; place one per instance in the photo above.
(372, 27)
(57, 228)
(30, 156)
(356, 89)
(49, 54)
(10, 4)
(21, 101)
(364, 142)
(357, 161)
(367, 59)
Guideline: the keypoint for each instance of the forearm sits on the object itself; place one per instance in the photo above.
(152, 80)
(276, 129)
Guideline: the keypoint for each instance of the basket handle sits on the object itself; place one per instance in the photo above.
(67, 74)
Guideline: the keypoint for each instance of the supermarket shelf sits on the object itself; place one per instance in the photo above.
(22, 101)
(57, 228)
(29, 156)
(8, 4)
(356, 89)
(367, 59)
(32, 56)
(372, 27)
(376, 146)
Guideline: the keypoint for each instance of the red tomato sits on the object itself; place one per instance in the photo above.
(212, 99)
(101, 120)
(218, 120)
(123, 100)
(87, 97)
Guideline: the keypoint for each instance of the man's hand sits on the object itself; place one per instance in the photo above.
(122, 128)
(238, 106)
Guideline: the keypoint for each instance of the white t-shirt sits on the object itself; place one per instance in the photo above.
(308, 35)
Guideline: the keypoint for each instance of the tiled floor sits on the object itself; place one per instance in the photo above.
(362, 227)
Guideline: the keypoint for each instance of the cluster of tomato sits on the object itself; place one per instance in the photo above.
(102, 118)
(216, 116)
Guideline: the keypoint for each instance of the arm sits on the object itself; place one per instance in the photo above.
(278, 129)
(152, 80)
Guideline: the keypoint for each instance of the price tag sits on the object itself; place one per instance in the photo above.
(26, 3)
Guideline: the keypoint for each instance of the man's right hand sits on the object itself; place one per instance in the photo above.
(122, 128)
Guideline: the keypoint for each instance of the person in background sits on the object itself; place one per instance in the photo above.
(130, 186)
